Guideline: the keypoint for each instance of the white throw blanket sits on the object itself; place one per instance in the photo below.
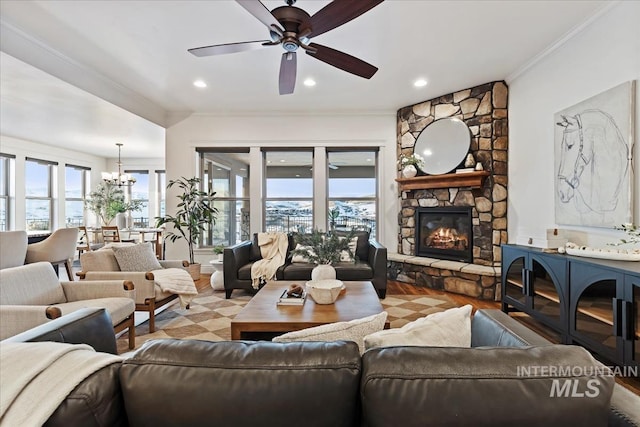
(37, 377)
(176, 281)
(273, 248)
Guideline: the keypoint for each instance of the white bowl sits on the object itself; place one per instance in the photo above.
(324, 291)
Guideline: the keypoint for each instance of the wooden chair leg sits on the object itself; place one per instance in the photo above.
(132, 333)
(67, 266)
(152, 315)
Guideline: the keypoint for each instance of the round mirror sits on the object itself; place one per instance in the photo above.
(443, 145)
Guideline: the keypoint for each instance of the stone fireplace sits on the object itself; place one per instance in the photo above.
(484, 110)
(444, 233)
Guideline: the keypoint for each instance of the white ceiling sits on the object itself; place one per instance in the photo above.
(134, 55)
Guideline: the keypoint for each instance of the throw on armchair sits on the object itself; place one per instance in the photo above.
(31, 295)
(103, 265)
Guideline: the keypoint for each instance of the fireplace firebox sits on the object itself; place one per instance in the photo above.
(445, 233)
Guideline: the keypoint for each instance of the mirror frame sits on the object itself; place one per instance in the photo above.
(445, 142)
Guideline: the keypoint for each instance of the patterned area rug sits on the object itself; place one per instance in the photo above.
(210, 315)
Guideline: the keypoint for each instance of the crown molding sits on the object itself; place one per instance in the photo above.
(560, 42)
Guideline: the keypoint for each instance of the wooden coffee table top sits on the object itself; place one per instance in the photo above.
(262, 314)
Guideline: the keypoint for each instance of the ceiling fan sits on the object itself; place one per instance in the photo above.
(292, 28)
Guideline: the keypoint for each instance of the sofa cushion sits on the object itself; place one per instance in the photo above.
(490, 385)
(101, 260)
(301, 258)
(139, 257)
(353, 330)
(344, 271)
(242, 383)
(119, 308)
(449, 328)
(254, 253)
(31, 284)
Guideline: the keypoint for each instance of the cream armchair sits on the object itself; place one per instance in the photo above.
(31, 295)
(59, 248)
(13, 248)
(102, 265)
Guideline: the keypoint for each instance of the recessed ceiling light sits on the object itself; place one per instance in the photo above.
(309, 82)
(243, 169)
(368, 160)
(281, 160)
(297, 175)
(199, 83)
(420, 83)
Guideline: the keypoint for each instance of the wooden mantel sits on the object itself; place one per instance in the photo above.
(467, 179)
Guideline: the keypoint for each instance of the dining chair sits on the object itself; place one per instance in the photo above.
(110, 234)
(83, 244)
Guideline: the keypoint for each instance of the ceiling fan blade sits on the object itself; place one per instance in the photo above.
(221, 49)
(336, 13)
(260, 11)
(288, 73)
(341, 60)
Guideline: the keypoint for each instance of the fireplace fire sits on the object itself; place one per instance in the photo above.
(445, 233)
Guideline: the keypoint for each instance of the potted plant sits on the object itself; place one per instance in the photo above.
(323, 249)
(107, 200)
(410, 164)
(218, 250)
(195, 211)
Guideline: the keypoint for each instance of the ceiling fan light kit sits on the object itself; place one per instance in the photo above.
(293, 28)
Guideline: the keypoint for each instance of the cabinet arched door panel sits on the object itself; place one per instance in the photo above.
(595, 308)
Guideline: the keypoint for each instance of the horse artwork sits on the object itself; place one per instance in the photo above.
(593, 160)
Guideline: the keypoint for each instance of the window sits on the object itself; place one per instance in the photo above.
(39, 191)
(5, 191)
(352, 193)
(76, 182)
(289, 191)
(161, 181)
(227, 173)
(140, 191)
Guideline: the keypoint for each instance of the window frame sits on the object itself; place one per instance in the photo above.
(51, 172)
(84, 190)
(376, 199)
(5, 190)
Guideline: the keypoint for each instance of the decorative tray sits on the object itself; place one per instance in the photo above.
(612, 254)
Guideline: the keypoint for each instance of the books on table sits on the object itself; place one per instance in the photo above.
(286, 299)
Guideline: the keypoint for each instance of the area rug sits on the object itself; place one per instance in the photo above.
(210, 315)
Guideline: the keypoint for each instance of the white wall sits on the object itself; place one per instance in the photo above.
(21, 149)
(598, 57)
(278, 131)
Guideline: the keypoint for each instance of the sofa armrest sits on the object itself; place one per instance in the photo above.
(93, 289)
(174, 263)
(142, 281)
(90, 326)
(235, 257)
(493, 328)
(15, 319)
(378, 262)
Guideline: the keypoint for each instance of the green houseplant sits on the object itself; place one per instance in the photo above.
(107, 200)
(218, 250)
(323, 249)
(195, 211)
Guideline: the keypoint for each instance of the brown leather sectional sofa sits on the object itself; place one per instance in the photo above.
(370, 264)
(241, 383)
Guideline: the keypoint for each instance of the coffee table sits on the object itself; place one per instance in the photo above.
(262, 314)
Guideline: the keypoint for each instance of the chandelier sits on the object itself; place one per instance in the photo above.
(118, 178)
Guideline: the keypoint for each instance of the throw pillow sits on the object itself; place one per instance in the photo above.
(301, 258)
(136, 258)
(101, 260)
(353, 330)
(449, 328)
(344, 255)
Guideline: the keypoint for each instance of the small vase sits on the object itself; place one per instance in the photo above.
(409, 171)
(323, 272)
